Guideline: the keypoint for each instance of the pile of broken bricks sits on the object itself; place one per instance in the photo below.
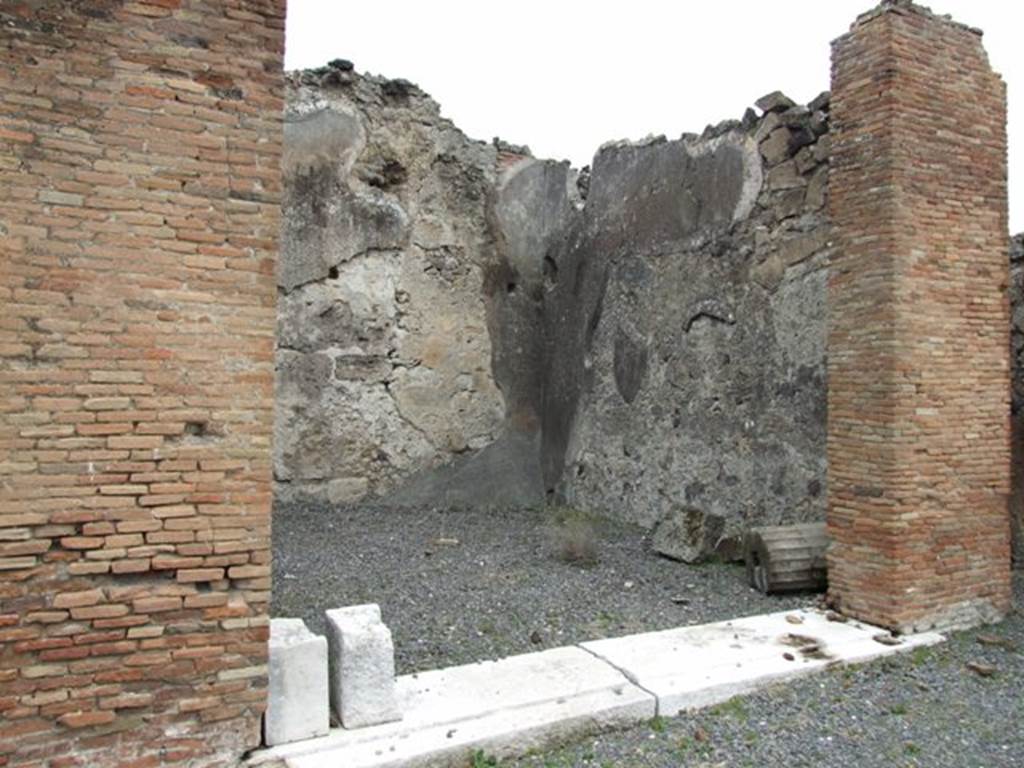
(353, 669)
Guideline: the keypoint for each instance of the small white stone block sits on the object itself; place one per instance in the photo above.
(362, 667)
(297, 704)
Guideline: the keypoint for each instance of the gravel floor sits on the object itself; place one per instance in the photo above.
(925, 708)
(457, 587)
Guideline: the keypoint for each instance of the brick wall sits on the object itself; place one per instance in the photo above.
(918, 444)
(139, 154)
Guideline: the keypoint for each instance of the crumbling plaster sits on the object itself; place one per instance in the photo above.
(463, 324)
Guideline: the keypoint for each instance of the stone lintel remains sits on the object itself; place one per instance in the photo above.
(918, 441)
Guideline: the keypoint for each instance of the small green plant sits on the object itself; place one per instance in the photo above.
(898, 709)
(488, 627)
(482, 760)
(657, 724)
(920, 655)
(684, 745)
(734, 707)
(575, 536)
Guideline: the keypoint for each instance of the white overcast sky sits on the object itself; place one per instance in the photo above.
(564, 76)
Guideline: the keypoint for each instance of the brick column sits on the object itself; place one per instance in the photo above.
(139, 151)
(918, 360)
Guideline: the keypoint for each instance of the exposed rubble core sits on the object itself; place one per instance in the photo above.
(460, 323)
(689, 331)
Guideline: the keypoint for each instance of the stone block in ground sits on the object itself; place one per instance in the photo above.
(504, 708)
(693, 667)
(362, 667)
(297, 698)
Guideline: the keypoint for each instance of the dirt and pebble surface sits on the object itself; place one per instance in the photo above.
(462, 586)
(929, 707)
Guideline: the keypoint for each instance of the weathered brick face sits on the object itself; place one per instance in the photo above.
(139, 154)
(918, 441)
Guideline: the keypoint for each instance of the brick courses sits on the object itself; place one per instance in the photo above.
(918, 431)
(139, 154)
(139, 163)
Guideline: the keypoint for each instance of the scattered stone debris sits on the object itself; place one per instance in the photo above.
(996, 641)
(776, 101)
(981, 668)
(887, 639)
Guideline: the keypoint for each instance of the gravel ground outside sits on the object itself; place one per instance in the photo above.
(457, 587)
(923, 708)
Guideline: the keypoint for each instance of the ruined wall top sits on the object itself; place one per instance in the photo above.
(910, 7)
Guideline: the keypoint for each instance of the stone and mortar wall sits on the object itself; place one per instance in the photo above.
(462, 323)
(384, 347)
(919, 379)
(686, 334)
(139, 158)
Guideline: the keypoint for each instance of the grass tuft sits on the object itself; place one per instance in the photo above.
(575, 534)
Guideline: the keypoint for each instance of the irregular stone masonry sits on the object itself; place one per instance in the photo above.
(918, 398)
(645, 339)
(672, 371)
(501, 330)
(384, 343)
(139, 152)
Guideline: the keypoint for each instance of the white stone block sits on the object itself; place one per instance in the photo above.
(503, 708)
(698, 666)
(297, 704)
(362, 661)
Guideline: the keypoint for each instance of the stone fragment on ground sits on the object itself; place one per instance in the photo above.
(687, 535)
(981, 668)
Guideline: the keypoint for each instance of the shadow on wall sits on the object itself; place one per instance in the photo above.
(461, 324)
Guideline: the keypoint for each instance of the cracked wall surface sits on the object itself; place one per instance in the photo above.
(461, 323)
(384, 353)
(692, 310)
